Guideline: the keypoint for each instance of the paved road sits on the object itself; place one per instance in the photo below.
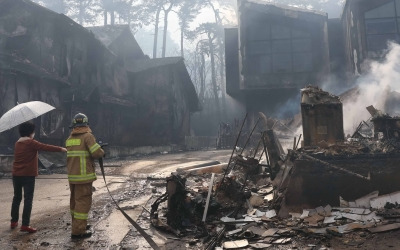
(127, 181)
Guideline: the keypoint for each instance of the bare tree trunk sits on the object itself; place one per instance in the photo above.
(218, 21)
(194, 73)
(213, 75)
(105, 17)
(222, 79)
(182, 54)
(112, 14)
(202, 77)
(166, 12)
(156, 32)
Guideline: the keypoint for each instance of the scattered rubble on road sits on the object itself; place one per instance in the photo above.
(249, 218)
(249, 201)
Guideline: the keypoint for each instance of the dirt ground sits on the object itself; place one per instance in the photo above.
(130, 186)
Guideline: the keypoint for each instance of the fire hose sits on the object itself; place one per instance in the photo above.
(138, 228)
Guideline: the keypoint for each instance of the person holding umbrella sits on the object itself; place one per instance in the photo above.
(25, 169)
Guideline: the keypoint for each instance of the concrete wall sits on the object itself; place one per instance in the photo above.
(6, 162)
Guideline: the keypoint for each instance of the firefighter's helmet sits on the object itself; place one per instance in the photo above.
(80, 120)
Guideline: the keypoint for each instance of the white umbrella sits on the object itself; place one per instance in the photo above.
(22, 113)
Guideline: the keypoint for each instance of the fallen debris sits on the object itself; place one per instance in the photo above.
(384, 228)
(235, 244)
(247, 202)
(381, 201)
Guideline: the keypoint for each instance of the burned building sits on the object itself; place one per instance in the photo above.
(29, 70)
(275, 51)
(163, 94)
(166, 98)
(48, 57)
(368, 25)
(67, 51)
(22, 80)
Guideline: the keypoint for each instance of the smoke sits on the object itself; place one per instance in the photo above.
(374, 87)
(334, 85)
(289, 108)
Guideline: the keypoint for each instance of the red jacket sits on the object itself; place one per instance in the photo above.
(26, 156)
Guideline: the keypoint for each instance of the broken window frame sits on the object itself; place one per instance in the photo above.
(291, 37)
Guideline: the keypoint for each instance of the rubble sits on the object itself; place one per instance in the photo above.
(385, 228)
(241, 225)
(252, 201)
(235, 244)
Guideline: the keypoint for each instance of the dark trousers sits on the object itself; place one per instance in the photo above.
(28, 184)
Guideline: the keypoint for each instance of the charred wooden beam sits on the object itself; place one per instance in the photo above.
(368, 178)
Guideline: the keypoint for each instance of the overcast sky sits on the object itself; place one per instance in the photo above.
(206, 15)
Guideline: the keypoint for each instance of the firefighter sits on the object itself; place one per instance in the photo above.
(82, 150)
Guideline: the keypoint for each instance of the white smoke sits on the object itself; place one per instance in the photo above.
(289, 108)
(374, 86)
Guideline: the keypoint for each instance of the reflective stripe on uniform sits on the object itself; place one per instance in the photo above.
(78, 178)
(73, 142)
(82, 158)
(74, 153)
(80, 216)
(72, 212)
(94, 147)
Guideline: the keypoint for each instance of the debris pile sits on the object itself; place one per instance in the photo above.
(386, 127)
(264, 196)
(214, 206)
(378, 135)
(248, 219)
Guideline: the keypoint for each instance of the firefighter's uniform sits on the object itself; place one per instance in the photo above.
(82, 150)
